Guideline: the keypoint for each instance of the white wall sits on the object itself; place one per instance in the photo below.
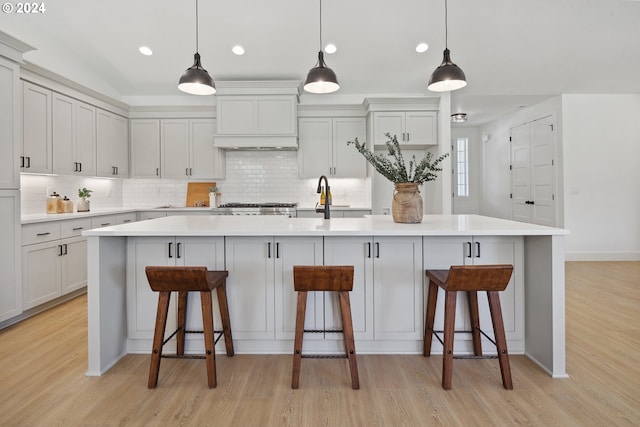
(602, 176)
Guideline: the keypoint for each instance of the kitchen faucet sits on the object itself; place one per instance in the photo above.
(327, 213)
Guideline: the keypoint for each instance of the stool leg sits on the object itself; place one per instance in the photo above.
(501, 341)
(207, 326)
(221, 291)
(301, 309)
(431, 314)
(158, 338)
(182, 322)
(472, 300)
(349, 342)
(449, 328)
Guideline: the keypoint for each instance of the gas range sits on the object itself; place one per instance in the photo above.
(268, 208)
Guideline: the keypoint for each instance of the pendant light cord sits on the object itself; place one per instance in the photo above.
(446, 26)
(196, 26)
(320, 24)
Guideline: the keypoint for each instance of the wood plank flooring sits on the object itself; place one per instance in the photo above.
(43, 362)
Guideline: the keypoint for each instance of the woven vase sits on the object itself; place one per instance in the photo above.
(406, 206)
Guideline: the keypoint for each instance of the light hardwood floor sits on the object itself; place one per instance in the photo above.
(43, 362)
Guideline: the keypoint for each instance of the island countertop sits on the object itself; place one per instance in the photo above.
(373, 225)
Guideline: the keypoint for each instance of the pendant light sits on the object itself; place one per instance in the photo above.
(196, 80)
(448, 76)
(321, 79)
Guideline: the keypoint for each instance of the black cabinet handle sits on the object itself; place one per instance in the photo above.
(269, 250)
(80, 167)
(28, 162)
(78, 228)
(368, 249)
(170, 253)
(43, 234)
(105, 224)
(468, 249)
(59, 250)
(178, 250)
(21, 161)
(277, 249)
(477, 249)
(157, 171)
(65, 249)
(377, 250)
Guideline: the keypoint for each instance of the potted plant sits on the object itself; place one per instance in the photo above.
(83, 204)
(406, 206)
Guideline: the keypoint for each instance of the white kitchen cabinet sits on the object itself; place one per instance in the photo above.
(290, 251)
(256, 115)
(145, 148)
(356, 251)
(323, 147)
(443, 252)
(115, 219)
(10, 124)
(74, 136)
(251, 287)
(142, 302)
(54, 260)
(112, 144)
(10, 285)
(397, 288)
(37, 147)
(412, 128)
(187, 150)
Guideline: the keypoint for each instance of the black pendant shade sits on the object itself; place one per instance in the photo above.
(196, 80)
(448, 76)
(321, 79)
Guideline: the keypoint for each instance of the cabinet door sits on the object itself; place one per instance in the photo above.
(250, 263)
(275, 115)
(85, 149)
(10, 286)
(145, 148)
(142, 302)
(420, 128)
(121, 145)
(73, 267)
(64, 123)
(397, 287)
(174, 156)
(347, 161)
(40, 273)
(236, 115)
(10, 128)
(356, 251)
(36, 131)
(314, 154)
(105, 143)
(387, 122)
(290, 251)
(206, 162)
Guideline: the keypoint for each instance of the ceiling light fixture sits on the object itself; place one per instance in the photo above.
(196, 80)
(238, 50)
(422, 47)
(459, 118)
(321, 79)
(448, 76)
(330, 48)
(146, 51)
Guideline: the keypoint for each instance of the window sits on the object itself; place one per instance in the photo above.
(462, 166)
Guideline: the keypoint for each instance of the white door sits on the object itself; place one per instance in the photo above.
(543, 172)
(520, 173)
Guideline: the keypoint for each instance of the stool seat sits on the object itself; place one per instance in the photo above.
(327, 279)
(470, 279)
(165, 279)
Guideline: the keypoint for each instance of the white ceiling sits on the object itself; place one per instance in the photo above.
(513, 52)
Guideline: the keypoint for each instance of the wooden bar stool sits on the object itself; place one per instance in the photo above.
(470, 279)
(324, 278)
(184, 280)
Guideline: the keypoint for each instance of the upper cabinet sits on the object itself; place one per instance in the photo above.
(415, 128)
(37, 148)
(175, 148)
(74, 136)
(9, 124)
(256, 121)
(112, 145)
(323, 147)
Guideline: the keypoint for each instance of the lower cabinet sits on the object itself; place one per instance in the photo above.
(142, 302)
(10, 286)
(54, 260)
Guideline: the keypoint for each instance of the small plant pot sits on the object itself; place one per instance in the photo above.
(406, 206)
(83, 205)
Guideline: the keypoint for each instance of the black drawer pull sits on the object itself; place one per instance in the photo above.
(43, 234)
(78, 228)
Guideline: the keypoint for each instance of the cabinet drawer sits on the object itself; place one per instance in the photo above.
(74, 227)
(127, 218)
(40, 232)
(104, 221)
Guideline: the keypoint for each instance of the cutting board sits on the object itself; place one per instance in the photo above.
(198, 192)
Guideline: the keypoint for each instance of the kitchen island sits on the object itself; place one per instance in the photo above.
(388, 297)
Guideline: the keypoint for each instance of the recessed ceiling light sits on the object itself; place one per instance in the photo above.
(422, 47)
(238, 50)
(330, 48)
(145, 50)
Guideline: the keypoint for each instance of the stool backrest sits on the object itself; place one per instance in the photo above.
(478, 277)
(323, 277)
(167, 279)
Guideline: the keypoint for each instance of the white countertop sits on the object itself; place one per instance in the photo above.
(43, 217)
(374, 225)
